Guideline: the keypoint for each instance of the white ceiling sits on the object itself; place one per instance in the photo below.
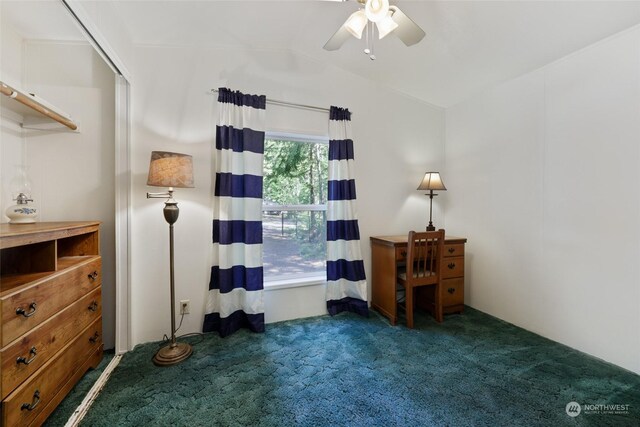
(40, 20)
(470, 45)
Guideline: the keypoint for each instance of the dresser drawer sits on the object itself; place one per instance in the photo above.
(452, 267)
(452, 291)
(25, 404)
(42, 342)
(452, 250)
(42, 299)
(92, 361)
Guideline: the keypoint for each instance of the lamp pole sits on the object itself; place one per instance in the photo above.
(171, 213)
(174, 352)
(431, 195)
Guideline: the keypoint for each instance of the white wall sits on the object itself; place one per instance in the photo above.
(397, 139)
(544, 180)
(11, 141)
(73, 173)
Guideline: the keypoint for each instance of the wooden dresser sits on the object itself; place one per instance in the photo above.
(51, 315)
(387, 252)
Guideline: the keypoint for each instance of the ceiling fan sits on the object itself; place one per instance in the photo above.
(387, 19)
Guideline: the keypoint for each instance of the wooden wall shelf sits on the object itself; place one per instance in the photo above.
(36, 113)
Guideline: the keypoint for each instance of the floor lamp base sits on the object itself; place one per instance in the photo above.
(172, 354)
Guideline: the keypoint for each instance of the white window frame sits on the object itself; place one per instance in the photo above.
(300, 279)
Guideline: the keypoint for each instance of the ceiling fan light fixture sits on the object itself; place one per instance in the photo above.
(355, 23)
(388, 19)
(386, 26)
(376, 10)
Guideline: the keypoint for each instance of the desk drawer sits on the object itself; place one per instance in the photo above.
(41, 343)
(453, 250)
(401, 253)
(452, 291)
(50, 296)
(452, 267)
(25, 404)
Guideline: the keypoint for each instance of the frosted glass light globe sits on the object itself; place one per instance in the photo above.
(376, 10)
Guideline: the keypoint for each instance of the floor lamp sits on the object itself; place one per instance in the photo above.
(172, 170)
(431, 182)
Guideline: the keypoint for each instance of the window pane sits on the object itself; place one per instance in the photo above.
(295, 173)
(294, 243)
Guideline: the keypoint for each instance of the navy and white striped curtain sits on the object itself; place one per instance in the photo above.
(346, 281)
(235, 297)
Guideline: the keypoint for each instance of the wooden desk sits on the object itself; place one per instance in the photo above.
(389, 251)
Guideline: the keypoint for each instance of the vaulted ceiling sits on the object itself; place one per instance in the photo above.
(470, 45)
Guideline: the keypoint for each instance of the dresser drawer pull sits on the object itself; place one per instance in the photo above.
(451, 290)
(451, 250)
(94, 338)
(31, 406)
(93, 276)
(21, 311)
(451, 265)
(403, 254)
(26, 361)
(93, 306)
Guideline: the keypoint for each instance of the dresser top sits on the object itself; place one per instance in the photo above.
(7, 229)
(20, 234)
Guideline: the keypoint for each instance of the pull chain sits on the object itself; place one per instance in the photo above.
(367, 51)
(368, 37)
(372, 56)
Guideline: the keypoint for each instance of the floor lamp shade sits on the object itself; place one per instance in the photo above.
(431, 182)
(172, 170)
(168, 169)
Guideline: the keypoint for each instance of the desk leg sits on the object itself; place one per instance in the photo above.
(383, 281)
(438, 302)
(410, 305)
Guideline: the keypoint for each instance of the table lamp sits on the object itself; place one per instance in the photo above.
(172, 170)
(431, 182)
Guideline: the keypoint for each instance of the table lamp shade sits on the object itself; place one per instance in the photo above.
(168, 169)
(431, 181)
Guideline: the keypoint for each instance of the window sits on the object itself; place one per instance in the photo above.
(294, 206)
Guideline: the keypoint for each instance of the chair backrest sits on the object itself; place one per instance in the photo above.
(424, 256)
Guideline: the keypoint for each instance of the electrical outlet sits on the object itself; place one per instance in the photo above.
(184, 306)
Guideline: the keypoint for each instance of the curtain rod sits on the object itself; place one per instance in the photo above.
(290, 104)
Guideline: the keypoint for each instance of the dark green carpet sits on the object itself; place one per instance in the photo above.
(471, 370)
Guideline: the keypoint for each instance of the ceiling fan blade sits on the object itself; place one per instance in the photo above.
(338, 39)
(408, 31)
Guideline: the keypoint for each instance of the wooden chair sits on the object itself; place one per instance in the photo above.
(424, 257)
